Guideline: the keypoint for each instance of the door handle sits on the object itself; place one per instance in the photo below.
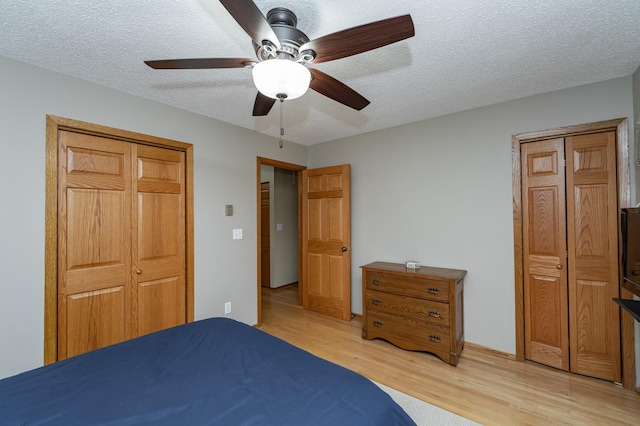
(344, 249)
(138, 271)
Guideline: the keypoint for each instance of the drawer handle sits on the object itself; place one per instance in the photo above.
(433, 313)
(376, 302)
(434, 338)
(433, 290)
(376, 282)
(377, 323)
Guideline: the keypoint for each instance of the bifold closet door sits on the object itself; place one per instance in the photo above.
(570, 235)
(545, 253)
(592, 236)
(121, 241)
(94, 242)
(159, 299)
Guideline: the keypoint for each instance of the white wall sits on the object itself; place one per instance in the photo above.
(224, 173)
(439, 191)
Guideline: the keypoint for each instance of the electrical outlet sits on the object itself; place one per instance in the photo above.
(227, 308)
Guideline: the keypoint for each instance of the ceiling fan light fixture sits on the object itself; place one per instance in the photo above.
(277, 77)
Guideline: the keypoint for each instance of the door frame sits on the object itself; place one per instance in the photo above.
(621, 127)
(262, 161)
(53, 125)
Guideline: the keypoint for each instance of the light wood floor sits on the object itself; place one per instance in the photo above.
(486, 386)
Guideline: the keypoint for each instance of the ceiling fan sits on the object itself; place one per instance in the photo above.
(282, 51)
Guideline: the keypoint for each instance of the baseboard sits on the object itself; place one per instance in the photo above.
(490, 351)
(283, 286)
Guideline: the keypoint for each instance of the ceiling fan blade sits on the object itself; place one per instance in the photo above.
(263, 105)
(252, 21)
(336, 90)
(360, 39)
(201, 63)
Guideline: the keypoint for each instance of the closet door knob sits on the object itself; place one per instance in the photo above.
(558, 266)
(138, 271)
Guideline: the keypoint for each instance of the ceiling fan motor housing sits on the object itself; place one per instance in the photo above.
(283, 23)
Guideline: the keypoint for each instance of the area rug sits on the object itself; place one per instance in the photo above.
(424, 413)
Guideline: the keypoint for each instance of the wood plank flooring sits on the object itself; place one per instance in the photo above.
(488, 387)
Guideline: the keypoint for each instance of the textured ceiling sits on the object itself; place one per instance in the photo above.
(465, 54)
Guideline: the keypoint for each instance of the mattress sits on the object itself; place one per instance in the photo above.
(213, 371)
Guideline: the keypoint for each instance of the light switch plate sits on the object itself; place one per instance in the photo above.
(237, 234)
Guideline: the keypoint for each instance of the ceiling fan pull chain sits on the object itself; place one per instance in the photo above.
(281, 125)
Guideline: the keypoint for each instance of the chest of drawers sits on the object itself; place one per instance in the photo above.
(419, 310)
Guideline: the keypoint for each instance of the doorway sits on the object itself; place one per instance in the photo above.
(295, 170)
(620, 129)
(279, 227)
(324, 237)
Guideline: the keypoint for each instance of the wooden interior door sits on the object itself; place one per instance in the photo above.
(592, 235)
(265, 235)
(121, 241)
(94, 260)
(326, 240)
(544, 243)
(570, 239)
(159, 239)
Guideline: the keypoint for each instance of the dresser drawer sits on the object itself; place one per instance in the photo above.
(408, 333)
(427, 310)
(408, 286)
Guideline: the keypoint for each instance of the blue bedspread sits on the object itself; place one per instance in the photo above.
(214, 371)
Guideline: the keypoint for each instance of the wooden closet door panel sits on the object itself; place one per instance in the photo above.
(160, 304)
(94, 260)
(592, 213)
(159, 243)
(544, 237)
(95, 319)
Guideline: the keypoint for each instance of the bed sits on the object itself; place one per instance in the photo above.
(213, 371)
